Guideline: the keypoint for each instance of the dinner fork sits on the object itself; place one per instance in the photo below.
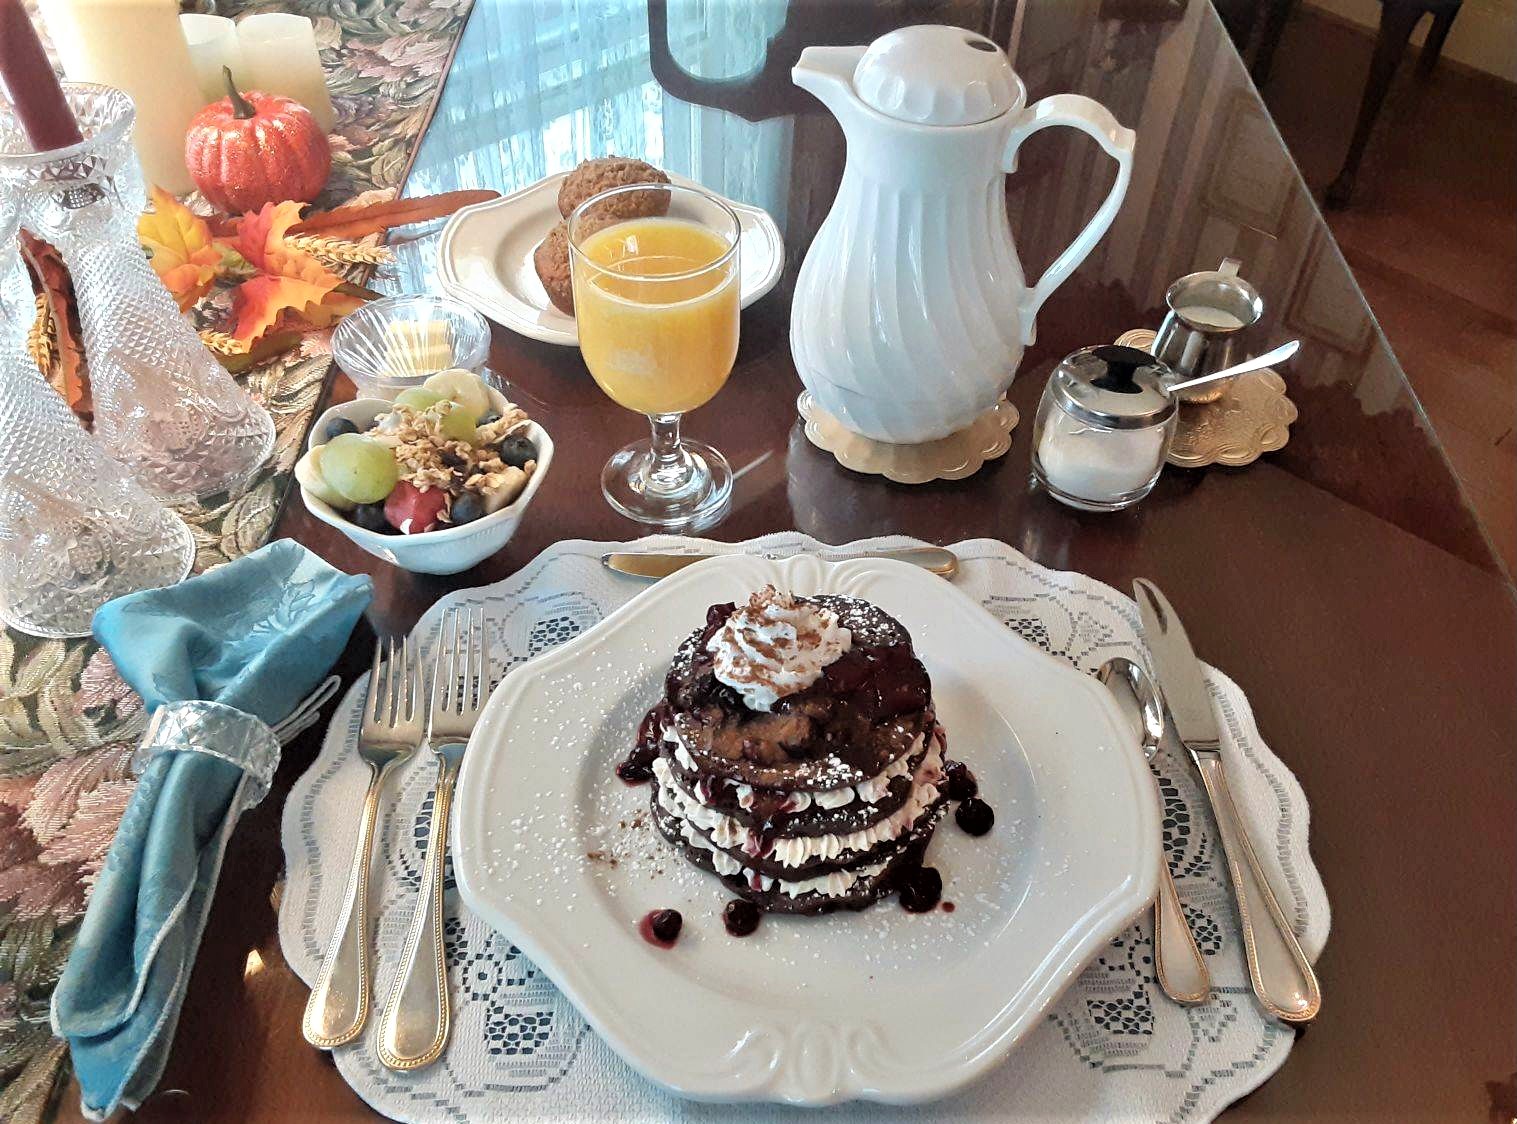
(414, 1027)
(391, 731)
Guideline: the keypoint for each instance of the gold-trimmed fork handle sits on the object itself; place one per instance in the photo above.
(414, 1026)
(338, 1005)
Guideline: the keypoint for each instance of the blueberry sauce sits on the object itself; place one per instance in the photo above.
(961, 782)
(638, 766)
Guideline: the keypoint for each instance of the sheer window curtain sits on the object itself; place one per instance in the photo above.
(539, 85)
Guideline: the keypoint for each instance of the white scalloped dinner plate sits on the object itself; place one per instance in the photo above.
(484, 258)
(882, 1004)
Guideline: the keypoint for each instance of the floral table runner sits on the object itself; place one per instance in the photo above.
(68, 724)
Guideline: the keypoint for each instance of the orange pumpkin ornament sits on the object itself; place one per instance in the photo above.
(254, 148)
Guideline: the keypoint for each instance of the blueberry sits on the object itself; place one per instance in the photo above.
(466, 508)
(975, 816)
(516, 451)
(488, 417)
(338, 426)
(666, 924)
(740, 917)
(921, 889)
(371, 517)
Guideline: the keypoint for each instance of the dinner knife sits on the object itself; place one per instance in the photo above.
(934, 558)
(1281, 975)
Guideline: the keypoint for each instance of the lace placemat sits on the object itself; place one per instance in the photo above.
(1112, 1048)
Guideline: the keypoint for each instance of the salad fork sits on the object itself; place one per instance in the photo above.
(414, 1027)
(391, 731)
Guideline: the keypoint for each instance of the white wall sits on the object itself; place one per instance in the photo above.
(1484, 35)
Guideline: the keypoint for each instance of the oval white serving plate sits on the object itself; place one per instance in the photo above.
(882, 1004)
(484, 258)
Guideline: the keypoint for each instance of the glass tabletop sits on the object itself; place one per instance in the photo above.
(536, 89)
(1341, 582)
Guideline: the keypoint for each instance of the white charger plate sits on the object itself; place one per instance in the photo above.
(882, 1005)
(485, 258)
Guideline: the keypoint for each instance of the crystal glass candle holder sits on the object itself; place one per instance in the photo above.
(76, 530)
(164, 407)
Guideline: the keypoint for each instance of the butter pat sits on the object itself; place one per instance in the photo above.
(417, 347)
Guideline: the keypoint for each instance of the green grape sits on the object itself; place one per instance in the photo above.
(418, 398)
(359, 467)
(458, 423)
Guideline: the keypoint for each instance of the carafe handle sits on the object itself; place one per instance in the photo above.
(1078, 112)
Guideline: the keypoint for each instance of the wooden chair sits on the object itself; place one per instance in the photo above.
(1398, 18)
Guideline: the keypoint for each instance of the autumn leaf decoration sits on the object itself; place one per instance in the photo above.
(184, 255)
(290, 283)
(281, 268)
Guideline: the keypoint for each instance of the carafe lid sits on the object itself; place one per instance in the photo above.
(1112, 387)
(937, 76)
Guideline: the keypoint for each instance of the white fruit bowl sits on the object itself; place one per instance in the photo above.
(450, 549)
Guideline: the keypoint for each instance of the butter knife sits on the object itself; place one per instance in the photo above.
(1281, 975)
(933, 558)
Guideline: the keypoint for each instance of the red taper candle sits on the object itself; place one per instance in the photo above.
(33, 89)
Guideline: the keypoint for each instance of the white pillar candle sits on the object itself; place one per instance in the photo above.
(213, 44)
(136, 46)
(280, 57)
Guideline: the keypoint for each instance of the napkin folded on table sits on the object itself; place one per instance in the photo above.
(219, 659)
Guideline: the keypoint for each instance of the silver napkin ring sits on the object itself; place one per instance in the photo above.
(217, 730)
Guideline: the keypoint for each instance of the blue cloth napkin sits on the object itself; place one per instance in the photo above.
(257, 634)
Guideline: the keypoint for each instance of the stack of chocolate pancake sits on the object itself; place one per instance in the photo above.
(824, 801)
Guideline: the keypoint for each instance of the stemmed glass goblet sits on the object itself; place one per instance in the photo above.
(656, 305)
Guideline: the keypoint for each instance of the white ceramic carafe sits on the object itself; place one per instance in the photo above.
(911, 311)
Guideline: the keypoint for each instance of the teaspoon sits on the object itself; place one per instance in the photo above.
(1268, 359)
(1178, 962)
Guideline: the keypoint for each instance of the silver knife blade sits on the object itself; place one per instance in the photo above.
(649, 565)
(937, 559)
(1179, 671)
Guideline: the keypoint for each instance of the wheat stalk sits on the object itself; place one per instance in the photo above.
(41, 340)
(223, 344)
(340, 250)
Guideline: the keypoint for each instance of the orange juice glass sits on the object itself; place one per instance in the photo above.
(656, 306)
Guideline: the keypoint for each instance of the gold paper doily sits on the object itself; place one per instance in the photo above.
(953, 457)
(1252, 416)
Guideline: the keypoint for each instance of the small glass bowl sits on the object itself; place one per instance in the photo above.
(395, 343)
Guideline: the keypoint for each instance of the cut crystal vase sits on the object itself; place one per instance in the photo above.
(76, 530)
(163, 406)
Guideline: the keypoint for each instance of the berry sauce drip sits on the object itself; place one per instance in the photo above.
(921, 889)
(638, 766)
(740, 917)
(660, 927)
(961, 783)
(947, 907)
(974, 816)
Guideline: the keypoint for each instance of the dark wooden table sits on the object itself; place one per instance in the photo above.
(1343, 582)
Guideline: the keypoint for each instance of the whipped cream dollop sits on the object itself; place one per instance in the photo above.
(776, 646)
